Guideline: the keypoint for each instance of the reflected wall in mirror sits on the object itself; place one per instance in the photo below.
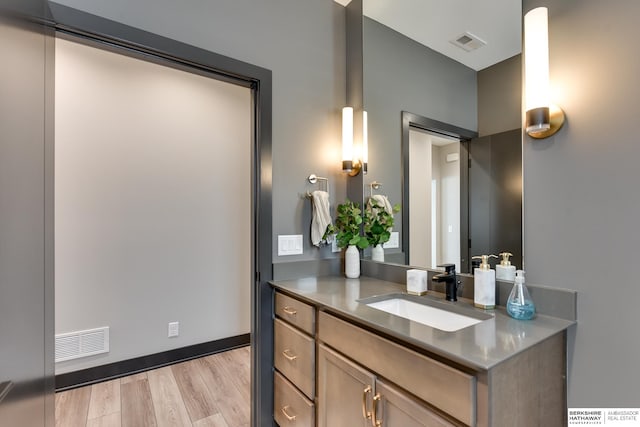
(400, 75)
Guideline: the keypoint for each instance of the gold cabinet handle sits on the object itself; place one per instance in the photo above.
(374, 419)
(365, 414)
(290, 357)
(290, 311)
(284, 412)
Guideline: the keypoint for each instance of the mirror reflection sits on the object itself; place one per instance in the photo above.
(434, 202)
(412, 65)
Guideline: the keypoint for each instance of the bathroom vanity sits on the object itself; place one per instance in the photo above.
(340, 362)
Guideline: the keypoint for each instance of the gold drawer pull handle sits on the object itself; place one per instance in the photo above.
(289, 356)
(284, 412)
(374, 420)
(365, 414)
(290, 311)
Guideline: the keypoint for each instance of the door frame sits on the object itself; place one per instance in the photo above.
(171, 52)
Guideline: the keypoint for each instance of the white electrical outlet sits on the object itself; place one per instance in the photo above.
(174, 329)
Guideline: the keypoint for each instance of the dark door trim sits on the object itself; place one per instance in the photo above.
(157, 48)
(411, 120)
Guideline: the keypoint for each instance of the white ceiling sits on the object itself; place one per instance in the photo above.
(434, 23)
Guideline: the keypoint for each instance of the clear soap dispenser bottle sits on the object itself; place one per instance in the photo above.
(504, 270)
(520, 305)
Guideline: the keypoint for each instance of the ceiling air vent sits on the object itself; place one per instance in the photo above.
(468, 42)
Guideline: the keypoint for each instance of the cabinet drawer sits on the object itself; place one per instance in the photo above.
(295, 356)
(290, 407)
(444, 387)
(297, 313)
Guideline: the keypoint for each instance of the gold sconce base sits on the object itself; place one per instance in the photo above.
(354, 168)
(556, 120)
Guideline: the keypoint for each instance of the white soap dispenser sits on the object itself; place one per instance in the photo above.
(484, 284)
(504, 270)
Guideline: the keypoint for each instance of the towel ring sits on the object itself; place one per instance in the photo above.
(375, 185)
(313, 179)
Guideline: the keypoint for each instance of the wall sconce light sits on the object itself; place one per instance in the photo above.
(354, 158)
(543, 119)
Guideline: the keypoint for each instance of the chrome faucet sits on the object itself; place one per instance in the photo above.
(450, 280)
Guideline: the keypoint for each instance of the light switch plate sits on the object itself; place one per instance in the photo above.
(290, 244)
(394, 241)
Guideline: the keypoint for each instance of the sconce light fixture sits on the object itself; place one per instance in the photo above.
(354, 158)
(542, 118)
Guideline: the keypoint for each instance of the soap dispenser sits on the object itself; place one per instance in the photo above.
(504, 270)
(484, 284)
(520, 305)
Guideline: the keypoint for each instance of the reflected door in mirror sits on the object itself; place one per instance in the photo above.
(434, 204)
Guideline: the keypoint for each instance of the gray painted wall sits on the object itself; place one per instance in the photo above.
(499, 97)
(581, 196)
(303, 43)
(401, 74)
(26, 243)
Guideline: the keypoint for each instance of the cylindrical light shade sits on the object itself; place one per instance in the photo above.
(347, 138)
(365, 142)
(536, 62)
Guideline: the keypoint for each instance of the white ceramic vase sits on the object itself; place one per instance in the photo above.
(352, 262)
(377, 253)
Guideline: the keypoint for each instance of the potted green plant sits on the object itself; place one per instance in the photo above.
(347, 231)
(378, 223)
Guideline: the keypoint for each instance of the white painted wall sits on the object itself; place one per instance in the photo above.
(420, 176)
(436, 212)
(449, 205)
(153, 203)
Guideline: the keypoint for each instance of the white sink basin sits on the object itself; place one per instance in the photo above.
(427, 315)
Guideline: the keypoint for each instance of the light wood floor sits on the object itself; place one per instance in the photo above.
(212, 391)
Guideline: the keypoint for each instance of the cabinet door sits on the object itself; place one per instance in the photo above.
(345, 391)
(395, 408)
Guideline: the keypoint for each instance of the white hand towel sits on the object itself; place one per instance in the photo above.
(383, 202)
(321, 217)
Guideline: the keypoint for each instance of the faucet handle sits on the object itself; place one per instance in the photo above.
(448, 268)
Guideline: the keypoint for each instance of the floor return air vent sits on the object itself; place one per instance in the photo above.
(74, 345)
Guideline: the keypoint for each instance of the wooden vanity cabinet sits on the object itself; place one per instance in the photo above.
(435, 384)
(331, 372)
(350, 395)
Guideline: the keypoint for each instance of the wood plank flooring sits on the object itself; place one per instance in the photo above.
(213, 391)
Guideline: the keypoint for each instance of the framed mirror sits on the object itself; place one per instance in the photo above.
(462, 73)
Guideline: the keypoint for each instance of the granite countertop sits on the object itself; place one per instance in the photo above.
(480, 347)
